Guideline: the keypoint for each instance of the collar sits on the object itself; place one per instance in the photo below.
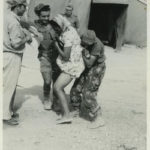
(15, 16)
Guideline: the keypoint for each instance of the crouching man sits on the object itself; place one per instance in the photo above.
(84, 91)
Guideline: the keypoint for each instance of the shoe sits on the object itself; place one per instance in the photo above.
(64, 120)
(15, 116)
(11, 122)
(47, 105)
(99, 122)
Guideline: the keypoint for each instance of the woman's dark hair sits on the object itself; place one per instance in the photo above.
(54, 24)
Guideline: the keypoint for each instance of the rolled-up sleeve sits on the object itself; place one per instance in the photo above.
(16, 34)
(68, 38)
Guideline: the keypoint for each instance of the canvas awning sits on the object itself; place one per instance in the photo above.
(111, 1)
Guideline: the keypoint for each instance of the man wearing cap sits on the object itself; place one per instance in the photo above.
(73, 19)
(15, 38)
(47, 53)
(84, 91)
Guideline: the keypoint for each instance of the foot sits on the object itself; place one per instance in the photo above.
(99, 122)
(64, 120)
(11, 122)
(75, 113)
(47, 105)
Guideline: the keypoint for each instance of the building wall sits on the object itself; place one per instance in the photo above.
(136, 29)
(81, 9)
(136, 20)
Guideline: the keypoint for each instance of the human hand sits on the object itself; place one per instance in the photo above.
(86, 53)
(28, 36)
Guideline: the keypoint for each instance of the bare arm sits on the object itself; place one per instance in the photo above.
(65, 53)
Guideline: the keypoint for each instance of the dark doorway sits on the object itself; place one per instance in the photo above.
(108, 21)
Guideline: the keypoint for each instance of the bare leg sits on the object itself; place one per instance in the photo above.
(62, 81)
(46, 90)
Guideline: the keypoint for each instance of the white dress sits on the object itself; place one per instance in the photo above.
(75, 65)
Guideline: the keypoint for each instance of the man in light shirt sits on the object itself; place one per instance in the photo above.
(15, 38)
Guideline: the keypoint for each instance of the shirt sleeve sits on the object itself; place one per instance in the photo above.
(98, 49)
(68, 38)
(16, 34)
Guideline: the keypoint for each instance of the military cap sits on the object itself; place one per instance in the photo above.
(89, 37)
(13, 3)
(39, 7)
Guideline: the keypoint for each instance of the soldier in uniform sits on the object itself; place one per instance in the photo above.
(73, 19)
(47, 54)
(84, 91)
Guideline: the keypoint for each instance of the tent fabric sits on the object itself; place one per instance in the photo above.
(111, 1)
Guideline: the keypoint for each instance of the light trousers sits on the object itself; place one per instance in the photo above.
(11, 71)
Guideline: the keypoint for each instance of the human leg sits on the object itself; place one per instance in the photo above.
(90, 109)
(46, 71)
(62, 81)
(11, 71)
(76, 94)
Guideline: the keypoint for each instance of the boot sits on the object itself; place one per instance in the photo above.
(47, 102)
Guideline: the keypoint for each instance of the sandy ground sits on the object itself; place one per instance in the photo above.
(122, 96)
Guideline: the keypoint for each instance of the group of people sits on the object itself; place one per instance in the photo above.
(64, 55)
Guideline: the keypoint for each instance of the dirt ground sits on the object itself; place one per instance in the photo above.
(122, 96)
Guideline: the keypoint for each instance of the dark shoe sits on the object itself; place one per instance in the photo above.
(15, 116)
(11, 122)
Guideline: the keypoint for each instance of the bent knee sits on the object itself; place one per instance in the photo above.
(57, 88)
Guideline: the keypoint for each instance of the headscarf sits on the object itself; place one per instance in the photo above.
(62, 22)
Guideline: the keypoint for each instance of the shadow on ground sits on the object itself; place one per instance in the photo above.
(24, 94)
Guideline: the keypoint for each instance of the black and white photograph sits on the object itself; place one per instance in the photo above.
(89, 94)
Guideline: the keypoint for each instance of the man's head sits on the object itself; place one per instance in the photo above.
(18, 6)
(43, 12)
(88, 38)
(68, 10)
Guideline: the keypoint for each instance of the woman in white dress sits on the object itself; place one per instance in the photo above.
(69, 60)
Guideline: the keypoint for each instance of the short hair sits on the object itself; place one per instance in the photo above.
(41, 7)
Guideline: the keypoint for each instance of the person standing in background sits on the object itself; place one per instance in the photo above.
(73, 19)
